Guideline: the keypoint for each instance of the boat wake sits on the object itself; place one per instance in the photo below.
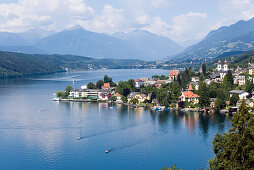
(135, 142)
(133, 125)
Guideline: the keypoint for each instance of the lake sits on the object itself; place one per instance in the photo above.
(37, 133)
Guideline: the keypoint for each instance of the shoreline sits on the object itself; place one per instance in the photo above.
(136, 106)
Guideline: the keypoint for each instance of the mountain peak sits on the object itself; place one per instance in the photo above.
(76, 27)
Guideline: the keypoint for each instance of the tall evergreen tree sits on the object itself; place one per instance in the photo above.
(204, 69)
(204, 99)
(235, 149)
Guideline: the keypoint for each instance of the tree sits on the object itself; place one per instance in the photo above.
(59, 94)
(90, 85)
(234, 99)
(228, 79)
(249, 86)
(204, 99)
(67, 91)
(235, 149)
(220, 102)
(134, 101)
(68, 88)
(175, 90)
(107, 79)
(126, 92)
(204, 69)
(99, 84)
(113, 98)
(132, 84)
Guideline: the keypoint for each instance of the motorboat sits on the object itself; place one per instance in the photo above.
(106, 151)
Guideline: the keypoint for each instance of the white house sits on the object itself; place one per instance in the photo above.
(242, 94)
(75, 93)
(239, 80)
(139, 82)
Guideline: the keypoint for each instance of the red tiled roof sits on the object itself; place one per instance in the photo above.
(117, 95)
(190, 88)
(106, 85)
(173, 73)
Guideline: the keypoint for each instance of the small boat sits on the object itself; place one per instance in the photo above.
(106, 151)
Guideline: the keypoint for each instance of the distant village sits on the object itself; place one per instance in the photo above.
(222, 89)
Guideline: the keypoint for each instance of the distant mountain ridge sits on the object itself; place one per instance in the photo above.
(78, 41)
(236, 37)
(158, 47)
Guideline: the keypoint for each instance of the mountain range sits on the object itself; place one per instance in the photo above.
(78, 41)
(236, 37)
(157, 46)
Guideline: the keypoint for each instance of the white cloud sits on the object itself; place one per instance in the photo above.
(235, 10)
(157, 26)
(190, 26)
(110, 21)
(160, 3)
(51, 14)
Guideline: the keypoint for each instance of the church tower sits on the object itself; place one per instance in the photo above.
(219, 67)
(225, 65)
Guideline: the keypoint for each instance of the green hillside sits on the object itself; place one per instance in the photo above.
(20, 65)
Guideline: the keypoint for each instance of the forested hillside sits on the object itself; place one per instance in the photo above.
(19, 64)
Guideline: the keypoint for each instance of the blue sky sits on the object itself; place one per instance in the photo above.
(179, 20)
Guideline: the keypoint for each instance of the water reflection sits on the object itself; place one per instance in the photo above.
(173, 119)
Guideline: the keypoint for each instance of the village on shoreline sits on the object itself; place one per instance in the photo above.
(222, 89)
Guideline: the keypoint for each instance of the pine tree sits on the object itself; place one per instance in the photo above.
(204, 99)
(235, 149)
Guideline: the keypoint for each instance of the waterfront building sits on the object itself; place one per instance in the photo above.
(75, 93)
(242, 94)
(189, 95)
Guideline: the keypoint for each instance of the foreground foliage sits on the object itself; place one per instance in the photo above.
(235, 149)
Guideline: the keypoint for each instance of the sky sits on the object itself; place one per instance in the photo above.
(182, 21)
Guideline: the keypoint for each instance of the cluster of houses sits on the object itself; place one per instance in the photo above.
(106, 92)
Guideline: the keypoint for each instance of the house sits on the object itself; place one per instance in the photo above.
(150, 82)
(155, 102)
(195, 79)
(251, 69)
(157, 85)
(91, 93)
(248, 102)
(139, 82)
(173, 74)
(208, 81)
(212, 102)
(242, 94)
(106, 86)
(163, 81)
(188, 95)
(140, 97)
(195, 85)
(239, 80)
(131, 96)
(104, 94)
(118, 97)
(75, 93)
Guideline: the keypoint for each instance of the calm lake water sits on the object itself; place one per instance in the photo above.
(37, 133)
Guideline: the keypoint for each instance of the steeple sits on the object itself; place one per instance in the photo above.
(219, 67)
(225, 65)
